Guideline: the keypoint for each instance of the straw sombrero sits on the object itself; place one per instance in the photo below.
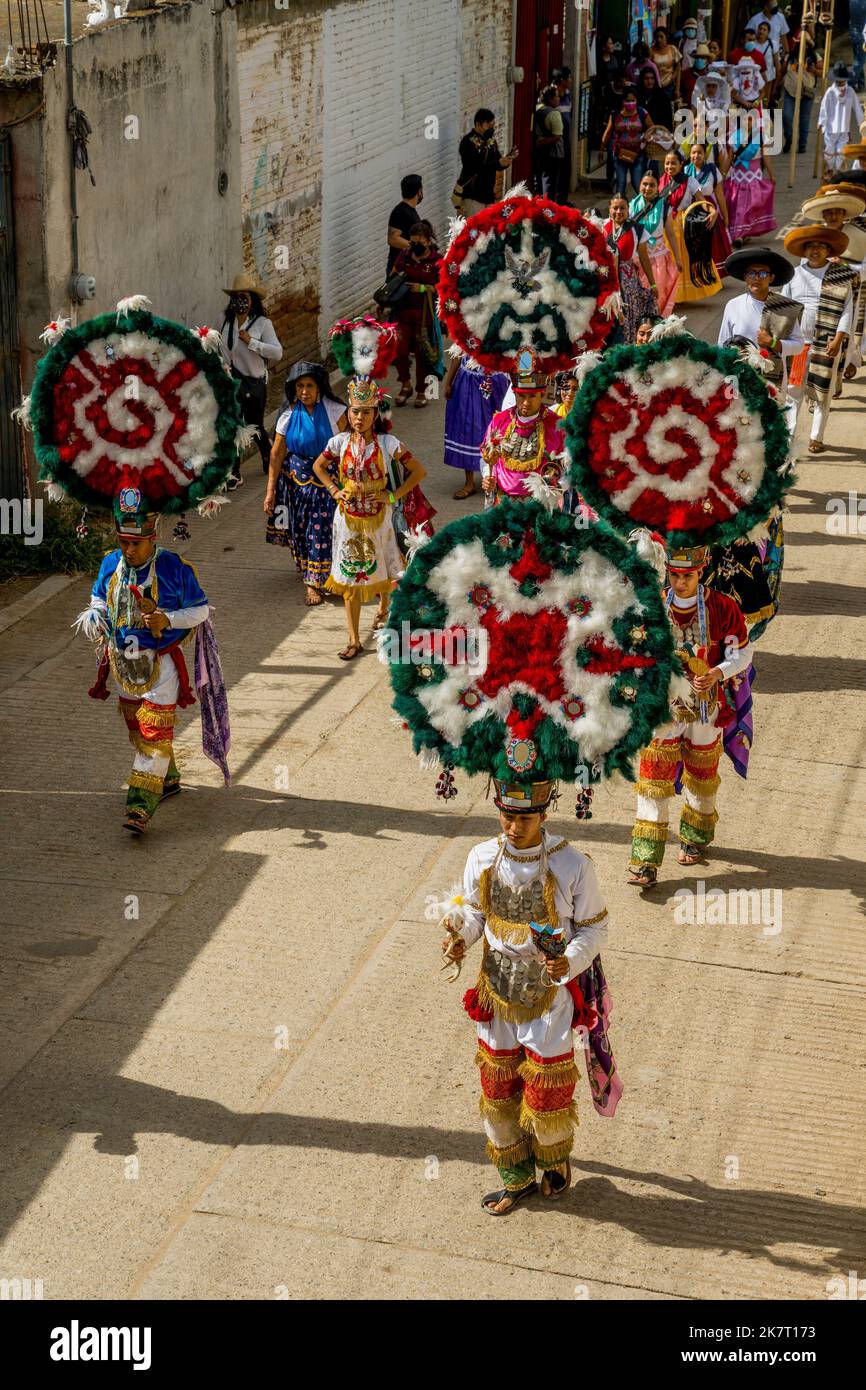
(830, 198)
(854, 151)
(659, 140)
(797, 240)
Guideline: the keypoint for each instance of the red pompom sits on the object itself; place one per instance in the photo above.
(474, 1008)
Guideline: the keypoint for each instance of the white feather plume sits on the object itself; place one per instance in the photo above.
(752, 354)
(438, 906)
(455, 227)
(54, 492)
(414, 541)
(21, 414)
(92, 623)
(131, 303)
(671, 328)
(519, 190)
(245, 435)
(584, 364)
(54, 331)
(648, 549)
(209, 338)
(429, 759)
(210, 507)
(542, 492)
(383, 639)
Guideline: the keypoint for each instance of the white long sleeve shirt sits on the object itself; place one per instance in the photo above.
(806, 286)
(579, 904)
(837, 109)
(251, 359)
(742, 317)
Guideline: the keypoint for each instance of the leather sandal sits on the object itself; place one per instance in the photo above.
(420, 402)
(645, 877)
(313, 597)
(559, 1182)
(815, 446)
(349, 653)
(468, 491)
(690, 854)
(403, 395)
(494, 1198)
(136, 822)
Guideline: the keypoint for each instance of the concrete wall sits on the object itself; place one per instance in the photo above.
(160, 92)
(280, 78)
(312, 108)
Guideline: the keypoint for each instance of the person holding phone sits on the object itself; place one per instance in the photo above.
(248, 343)
(480, 161)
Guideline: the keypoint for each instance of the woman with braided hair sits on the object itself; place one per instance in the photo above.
(689, 208)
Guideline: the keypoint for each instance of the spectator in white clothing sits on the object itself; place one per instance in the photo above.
(248, 344)
(839, 104)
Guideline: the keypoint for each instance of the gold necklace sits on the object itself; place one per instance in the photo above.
(530, 858)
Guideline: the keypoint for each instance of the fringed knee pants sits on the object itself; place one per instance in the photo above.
(528, 1075)
(698, 747)
(154, 770)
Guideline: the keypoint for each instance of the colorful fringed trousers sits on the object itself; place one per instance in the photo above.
(528, 1074)
(154, 771)
(696, 749)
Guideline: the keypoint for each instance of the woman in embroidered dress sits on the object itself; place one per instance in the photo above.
(525, 439)
(366, 558)
(299, 509)
(651, 212)
(750, 186)
(711, 180)
(472, 397)
(693, 217)
(628, 241)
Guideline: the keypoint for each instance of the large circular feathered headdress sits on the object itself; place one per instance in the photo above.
(128, 403)
(529, 646)
(527, 273)
(679, 436)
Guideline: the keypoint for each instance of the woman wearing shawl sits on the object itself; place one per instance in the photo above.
(693, 217)
(627, 240)
(750, 188)
(651, 212)
(299, 508)
(710, 179)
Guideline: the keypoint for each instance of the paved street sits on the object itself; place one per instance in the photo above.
(231, 1067)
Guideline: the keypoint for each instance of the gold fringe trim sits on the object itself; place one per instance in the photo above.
(551, 1075)
(145, 782)
(511, 932)
(508, 1157)
(702, 786)
(363, 591)
(162, 748)
(513, 1013)
(655, 790)
(497, 1068)
(656, 754)
(650, 830)
(768, 611)
(704, 757)
(547, 1125)
(153, 718)
(548, 1155)
(591, 921)
(507, 1107)
(698, 820)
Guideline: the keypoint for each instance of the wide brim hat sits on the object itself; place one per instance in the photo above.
(850, 178)
(829, 199)
(738, 263)
(247, 284)
(849, 187)
(132, 517)
(840, 70)
(857, 151)
(797, 240)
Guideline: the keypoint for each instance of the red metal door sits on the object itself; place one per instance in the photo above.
(538, 50)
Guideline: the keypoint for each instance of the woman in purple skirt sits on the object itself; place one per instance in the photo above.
(473, 396)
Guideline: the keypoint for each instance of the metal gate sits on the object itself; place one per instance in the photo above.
(11, 463)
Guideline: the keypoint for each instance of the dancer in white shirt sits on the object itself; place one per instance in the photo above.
(839, 105)
(825, 290)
